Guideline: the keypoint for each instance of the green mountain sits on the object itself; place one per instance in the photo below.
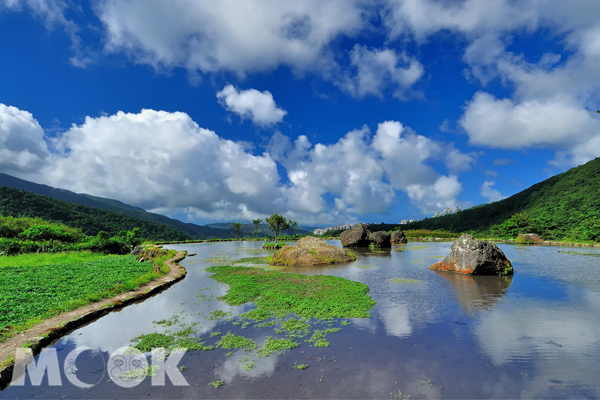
(192, 230)
(19, 203)
(565, 205)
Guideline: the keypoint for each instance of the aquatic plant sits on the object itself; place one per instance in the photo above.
(277, 293)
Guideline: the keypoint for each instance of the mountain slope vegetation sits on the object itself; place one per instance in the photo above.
(192, 230)
(564, 206)
(19, 203)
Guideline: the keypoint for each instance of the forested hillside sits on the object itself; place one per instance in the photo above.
(19, 203)
(565, 205)
(192, 230)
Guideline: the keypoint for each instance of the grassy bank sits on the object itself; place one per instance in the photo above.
(35, 287)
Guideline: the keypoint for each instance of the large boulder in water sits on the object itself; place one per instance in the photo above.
(380, 239)
(399, 237)
(361, 236)
(310, 251)
(475, 257)
(529, 238)
(357, 236)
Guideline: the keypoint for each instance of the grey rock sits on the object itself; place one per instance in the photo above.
(380, 239)
(475, 257)
(398, 237)
(357, 236)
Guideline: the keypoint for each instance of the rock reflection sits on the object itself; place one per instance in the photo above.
(477, 293)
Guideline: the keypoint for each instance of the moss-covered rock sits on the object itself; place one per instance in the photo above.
(310, 251)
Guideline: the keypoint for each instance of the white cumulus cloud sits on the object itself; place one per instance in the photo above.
(377, 69)
(487, 190)
(22, 146)
(166, 162)
(501, 123)
(241, 37)
(257, 106)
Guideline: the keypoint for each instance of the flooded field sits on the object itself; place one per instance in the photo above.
(430, 335)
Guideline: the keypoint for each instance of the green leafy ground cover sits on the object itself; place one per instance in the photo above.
(38, 259)
(279, 293)
(32, 293)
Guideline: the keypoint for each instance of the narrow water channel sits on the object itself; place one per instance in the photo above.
(431, 334)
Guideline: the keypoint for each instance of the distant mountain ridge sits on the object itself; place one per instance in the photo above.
(193, 231)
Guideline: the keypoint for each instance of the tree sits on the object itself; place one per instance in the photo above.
(257, 223)
(238, 227)
(132, 238)
(277, 223)
(293, 228)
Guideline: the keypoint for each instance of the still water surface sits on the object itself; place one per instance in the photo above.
(533, 335)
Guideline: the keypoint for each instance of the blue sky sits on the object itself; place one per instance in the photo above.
(329, 112)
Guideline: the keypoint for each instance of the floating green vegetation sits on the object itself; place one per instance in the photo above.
(247, 364)
(345, 322)
(217, 333)
(430, 384)
(436, 256)
(168, 321)
(170, 340)
(416, 247)
(231, 341)
(216, 384)
(265, 324)
(228, 354)
(332, 330)
(417, 261)
(295, 327)
(321, 343)
(580, 254)
(222, 260)
(279, 294)
(252, 260)
(214, 315)
(139, 374)
(273, 345)
(404, 280)
(300, 366)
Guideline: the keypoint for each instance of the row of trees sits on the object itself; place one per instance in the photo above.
(274, 224)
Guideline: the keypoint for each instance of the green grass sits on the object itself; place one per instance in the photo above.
(33, 293)
(38, 259)
(279, 294)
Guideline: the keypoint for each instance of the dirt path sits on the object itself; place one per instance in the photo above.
(46, 332)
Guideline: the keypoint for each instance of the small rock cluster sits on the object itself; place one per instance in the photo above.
(360, 236)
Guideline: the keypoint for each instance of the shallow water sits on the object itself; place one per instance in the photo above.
(533, 335)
